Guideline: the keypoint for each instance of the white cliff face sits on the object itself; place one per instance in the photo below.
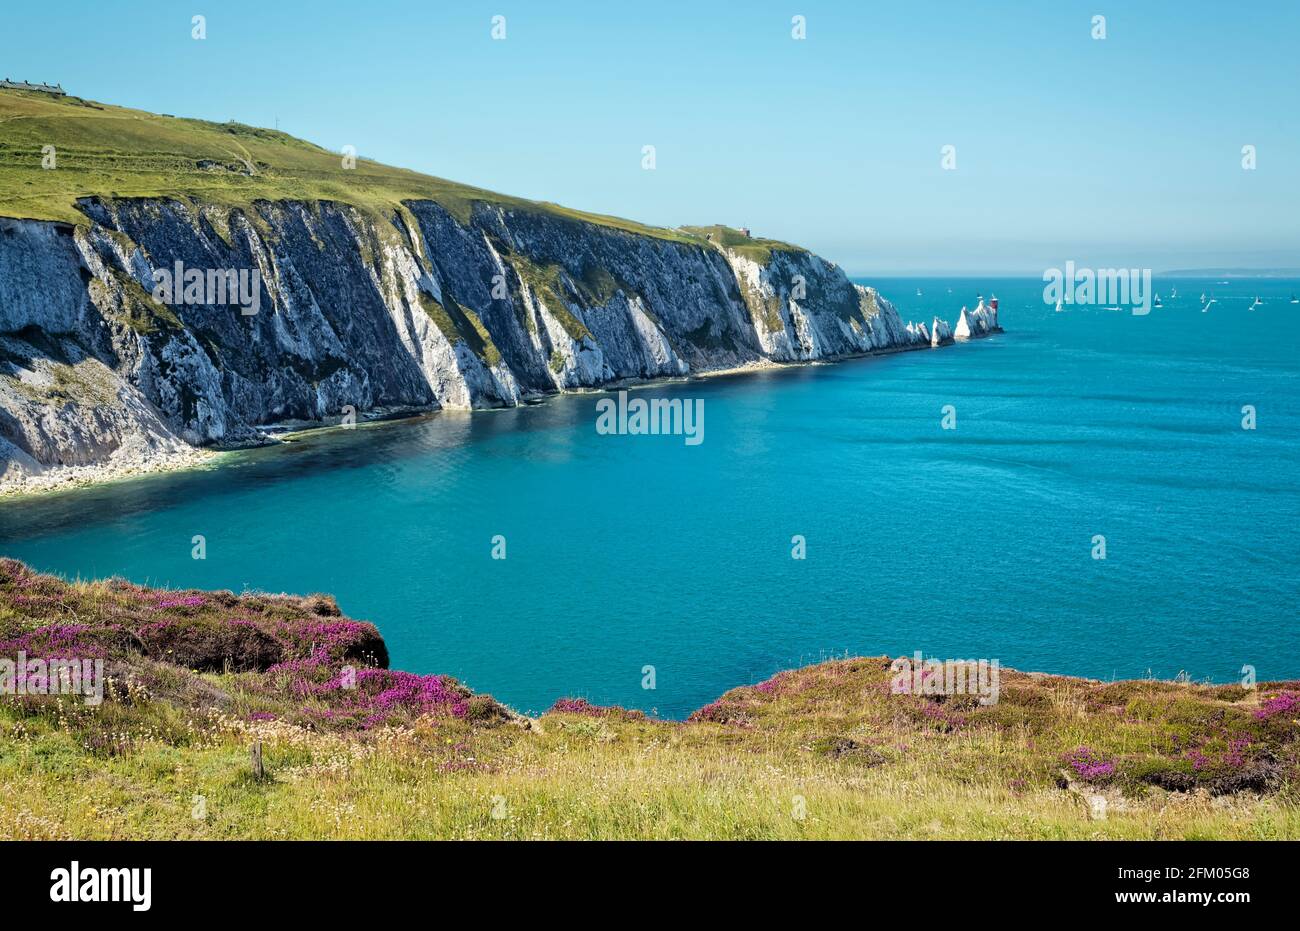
(457, 377)
(940, 332)
(74, 419)
(40, 283)
(982, 321)
(420, 311)
(657, 347)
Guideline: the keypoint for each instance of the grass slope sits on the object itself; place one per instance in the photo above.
(822, 752)
(754, 248)
(115, 152)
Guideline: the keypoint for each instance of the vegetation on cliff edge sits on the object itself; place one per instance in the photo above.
(353, 749)
(110, 152)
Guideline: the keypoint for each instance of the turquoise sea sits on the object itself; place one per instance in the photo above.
(632, 551)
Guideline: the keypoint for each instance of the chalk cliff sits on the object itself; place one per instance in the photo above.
(981, 321)
(417, 310)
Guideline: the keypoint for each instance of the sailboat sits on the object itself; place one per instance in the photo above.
(1173, 295)
(1058, 305)
(1257, 303)
(1157, 301)
(1294, 299)
(918, 292)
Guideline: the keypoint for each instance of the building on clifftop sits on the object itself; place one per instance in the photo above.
(55, 89)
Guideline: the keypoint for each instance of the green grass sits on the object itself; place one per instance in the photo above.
(457, 321)
(757, 249)
(548, 283)
(579, 776)
(828, 751)
(116, 152)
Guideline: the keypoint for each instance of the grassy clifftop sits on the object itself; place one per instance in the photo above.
(353, 749)
(755, 248)
(115, 152)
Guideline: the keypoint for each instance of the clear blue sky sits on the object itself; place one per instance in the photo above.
(1122, 151)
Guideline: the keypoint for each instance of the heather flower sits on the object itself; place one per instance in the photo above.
(60, 640)
(584, 707)
(1281, 703)
(372, 696)
(1089, 765)
(190, 601)
(575, 706)
(1236, 755)
(770, 686)
(947, 720)
(722, 712)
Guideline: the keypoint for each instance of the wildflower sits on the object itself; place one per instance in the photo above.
(1088, 765)
(1281, 703)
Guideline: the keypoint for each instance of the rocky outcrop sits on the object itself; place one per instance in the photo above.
(940, 333)
(981, 321)
(349, 313)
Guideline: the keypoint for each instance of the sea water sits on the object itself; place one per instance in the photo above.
(638, 560)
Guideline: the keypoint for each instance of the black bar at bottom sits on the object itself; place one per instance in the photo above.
(302, 879)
